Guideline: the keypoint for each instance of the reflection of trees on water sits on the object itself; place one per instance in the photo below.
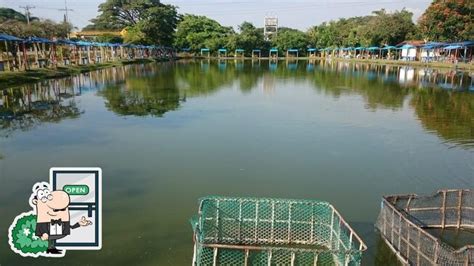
(449, 114)
(27, 107)
(154, 89)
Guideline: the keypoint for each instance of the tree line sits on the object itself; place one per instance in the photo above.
(153, 22)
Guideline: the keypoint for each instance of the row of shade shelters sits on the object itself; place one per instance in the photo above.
(25, 53)
(426, 51)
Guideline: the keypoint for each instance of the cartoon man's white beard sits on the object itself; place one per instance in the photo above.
(55, 229)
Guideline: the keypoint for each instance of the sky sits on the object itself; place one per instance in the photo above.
(300, 14)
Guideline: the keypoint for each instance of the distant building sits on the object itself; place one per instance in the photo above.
(270, 28)
(91, 34)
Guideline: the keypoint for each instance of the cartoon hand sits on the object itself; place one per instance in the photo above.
(84, 222)
(44, 236)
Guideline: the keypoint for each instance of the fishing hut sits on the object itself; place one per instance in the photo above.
(312, 52)
(222, 52)
(9, 51)
(292, 53)
(239, 52)
(205, 51)
(273, 53)
(256, 53)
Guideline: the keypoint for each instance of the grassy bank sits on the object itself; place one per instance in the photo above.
(10, 79)
(459, 66)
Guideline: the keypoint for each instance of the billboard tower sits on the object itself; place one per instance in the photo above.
(271, 28)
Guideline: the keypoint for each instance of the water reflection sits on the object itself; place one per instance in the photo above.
(440, 98)
(26, 107)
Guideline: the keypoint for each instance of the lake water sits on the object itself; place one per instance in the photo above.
(167, 134)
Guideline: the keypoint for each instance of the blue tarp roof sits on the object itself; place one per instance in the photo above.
(359, 48)
(274, 50)
(312, 49)
(407, 46)
(373, 48)
(37, 40)
(204, 49)
(389, 47)
(6, 37)
(222, 50)
(452, 47)
(239, 50)
(432, 45)
(292, 50)
(256, 50)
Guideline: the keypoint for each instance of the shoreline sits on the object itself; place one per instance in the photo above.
(458, 66)
(13, 79)
(18, 78)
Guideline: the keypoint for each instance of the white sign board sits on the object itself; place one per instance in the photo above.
(84, 186)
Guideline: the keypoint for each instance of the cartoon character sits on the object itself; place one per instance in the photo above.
(35, 233)
(52, 216)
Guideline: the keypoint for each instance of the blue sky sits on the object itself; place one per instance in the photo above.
(300, 14)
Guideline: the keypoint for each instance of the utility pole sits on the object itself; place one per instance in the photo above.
(27, 12)
(65, 9)
(66, 16)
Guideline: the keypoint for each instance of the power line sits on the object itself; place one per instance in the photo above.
(65, 9)
(27, 12)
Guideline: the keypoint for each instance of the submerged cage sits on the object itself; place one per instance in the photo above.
(403, 221)
(253, 231)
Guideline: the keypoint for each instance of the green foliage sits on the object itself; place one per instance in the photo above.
(146, 21)
(11, 14)
(375, 30)
(23, 236)
(109, 38)
(290, 39)
(197, 32)
(44, 28)
(249, 38)
(448, 20)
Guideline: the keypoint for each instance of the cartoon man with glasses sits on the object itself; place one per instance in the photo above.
(53, 220)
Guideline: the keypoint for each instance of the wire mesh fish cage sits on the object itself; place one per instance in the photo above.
(404, 221)
(265, 231)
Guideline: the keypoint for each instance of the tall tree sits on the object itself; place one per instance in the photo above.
(290, 39)
(249, 38)
(197, 32)
(448, 20)
(146, 21)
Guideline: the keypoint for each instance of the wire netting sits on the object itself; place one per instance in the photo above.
(252, 231)
(403, 221)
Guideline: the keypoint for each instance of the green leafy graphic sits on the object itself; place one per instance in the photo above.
(24, 238)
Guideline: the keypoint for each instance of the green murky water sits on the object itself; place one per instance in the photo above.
(167, 134)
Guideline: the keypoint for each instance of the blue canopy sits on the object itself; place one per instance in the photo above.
(312, 49)
(407, 46)
(359, 48)
(256, 50)
(389, 47)
(37, 40)
(432, 45)
(222, 50)
(273, 50)
(292, 50)
(6, 37)
(186, 49)
(452, 47)
(239, 50)
(68, 42)
(373, 48)
(204, 49)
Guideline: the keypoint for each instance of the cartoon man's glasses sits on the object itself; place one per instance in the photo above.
(46, 198)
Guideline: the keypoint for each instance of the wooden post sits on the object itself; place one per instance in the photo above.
(459, 208)
(36, 54)
(443, 210)
(8, 56)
